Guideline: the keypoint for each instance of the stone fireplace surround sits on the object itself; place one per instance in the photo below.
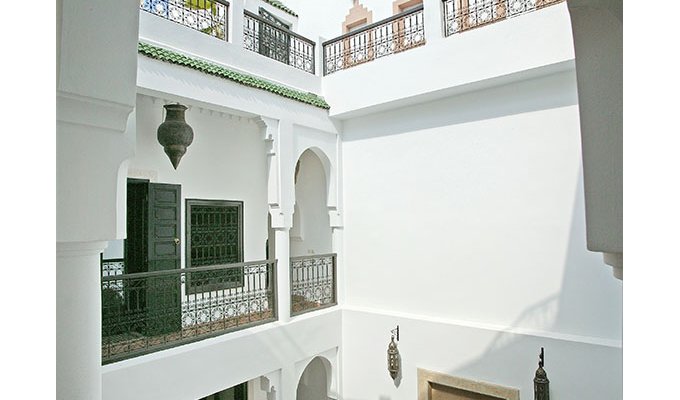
(437, 386)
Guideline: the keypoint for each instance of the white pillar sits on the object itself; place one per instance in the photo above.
(280, 194)
(78, 315)
(236, 22)
(289, 383)
(597, 27)
(432, 16)
(283, 273)
(339, 271)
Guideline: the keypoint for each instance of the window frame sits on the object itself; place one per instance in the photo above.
(189, 204)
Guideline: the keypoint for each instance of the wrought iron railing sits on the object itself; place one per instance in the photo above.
(392, 35)
(278, 43)
(312, 283)
(151, 311)
(462, 15)
(207, 16)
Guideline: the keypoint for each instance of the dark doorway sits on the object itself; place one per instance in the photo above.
(153, 244)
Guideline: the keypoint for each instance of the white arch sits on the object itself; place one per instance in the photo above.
(328, 370)
(330, 172)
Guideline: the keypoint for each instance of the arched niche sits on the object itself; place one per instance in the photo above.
(315, 381)
(330, 171)
(311, 228)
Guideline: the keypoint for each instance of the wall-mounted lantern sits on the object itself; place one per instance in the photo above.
(174, 134)
(541, 382)
(393, 355)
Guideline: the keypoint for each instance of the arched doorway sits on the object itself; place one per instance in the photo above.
(311, 231)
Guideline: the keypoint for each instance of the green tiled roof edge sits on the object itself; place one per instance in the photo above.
(281, 6)
(162, 54)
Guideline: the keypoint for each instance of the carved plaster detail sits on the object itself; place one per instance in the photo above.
(358, 15)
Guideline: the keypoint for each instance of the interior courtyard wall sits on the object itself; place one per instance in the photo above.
(577, 369)
(226, 161)
(472, 214)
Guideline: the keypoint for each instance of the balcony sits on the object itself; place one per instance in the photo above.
(147, 312)
(207, 16)
(277, 43)
(313, 283)
(456, 60)
(392, 35)
(463, 15)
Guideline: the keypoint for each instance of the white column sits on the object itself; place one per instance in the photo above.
(78, 315)
(283, 273)
(279, 138)
(339, 271)
(289, 382)
(236, 22)
(433, 18)
(597, 27)
(96, 91)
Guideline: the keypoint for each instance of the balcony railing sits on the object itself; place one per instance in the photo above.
(312, 283)
(463, 15)
(207, 16)
(151, 311)
(392, 35)
(280, 44)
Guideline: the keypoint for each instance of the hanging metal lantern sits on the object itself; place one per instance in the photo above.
(393, 362)
(541, 382)
(174, 134)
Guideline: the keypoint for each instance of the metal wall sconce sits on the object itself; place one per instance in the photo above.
(541, 382)
(393, 362)
(174, 134)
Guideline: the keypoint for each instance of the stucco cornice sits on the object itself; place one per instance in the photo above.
(173, 57)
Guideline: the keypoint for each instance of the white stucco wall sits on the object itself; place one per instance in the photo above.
(577, 369)
(202, 368)
(464, 223)
(226, 161)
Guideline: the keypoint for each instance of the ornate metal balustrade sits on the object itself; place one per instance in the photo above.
(207, 16)
(400, 32)
(462, 15)
(147, 312)
(312, 283)
(278, 43)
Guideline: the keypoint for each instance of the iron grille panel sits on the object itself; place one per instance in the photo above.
(277, 43)
(207, 16)
(459, 18)
(313, 283)
(215, 236)
(393, 35)
(147, 312)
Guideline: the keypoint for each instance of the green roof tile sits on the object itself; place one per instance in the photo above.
(170, 56)
(281, 6)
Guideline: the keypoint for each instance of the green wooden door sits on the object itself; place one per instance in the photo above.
(163, 295)
(151, 306)
(164, 227)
